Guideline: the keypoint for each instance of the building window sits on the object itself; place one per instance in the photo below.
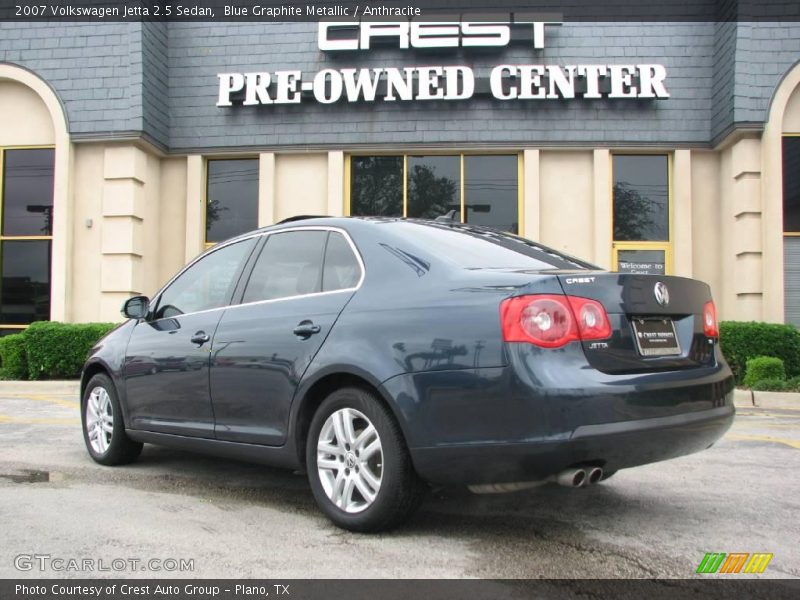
(376, 185)
(791, 184)
(481, 189)
(231, 198)
(791, 228)
(641, 198)
(26, 230)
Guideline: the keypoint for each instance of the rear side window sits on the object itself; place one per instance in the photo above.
(341, 270)
(290, 264)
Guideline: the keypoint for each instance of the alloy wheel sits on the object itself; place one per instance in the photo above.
(350, 460)
(99, 419)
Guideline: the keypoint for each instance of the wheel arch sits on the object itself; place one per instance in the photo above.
(96, 367)
(314, 392)
(90, 371)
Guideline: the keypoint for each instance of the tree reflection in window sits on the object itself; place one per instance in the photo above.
(376, 184)
(433, 186)
(641, 198)
(231, 198)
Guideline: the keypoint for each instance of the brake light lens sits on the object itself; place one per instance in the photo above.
(710, 325)
(551, 321)
(593, 323)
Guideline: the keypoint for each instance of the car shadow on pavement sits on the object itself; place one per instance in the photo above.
(443, 509)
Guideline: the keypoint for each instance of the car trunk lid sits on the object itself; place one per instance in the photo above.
(656, 321)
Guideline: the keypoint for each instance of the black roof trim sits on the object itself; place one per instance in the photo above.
(301, 218)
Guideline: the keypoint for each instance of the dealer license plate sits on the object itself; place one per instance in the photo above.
(656, 337)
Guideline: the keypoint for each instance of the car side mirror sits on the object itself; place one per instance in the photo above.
(136, 307)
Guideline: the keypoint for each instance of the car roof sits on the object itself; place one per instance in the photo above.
(347, 222)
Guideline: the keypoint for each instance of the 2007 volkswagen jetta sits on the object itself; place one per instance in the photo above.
(381, 355)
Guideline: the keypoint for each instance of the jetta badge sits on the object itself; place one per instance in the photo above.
(661, 293)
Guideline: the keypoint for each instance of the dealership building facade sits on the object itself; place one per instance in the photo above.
(666, 147)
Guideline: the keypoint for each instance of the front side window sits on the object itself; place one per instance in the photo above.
(231, 198)
(26, 226)
(207, 284)
(481, 189)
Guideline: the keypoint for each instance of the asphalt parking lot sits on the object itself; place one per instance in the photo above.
(239, 520)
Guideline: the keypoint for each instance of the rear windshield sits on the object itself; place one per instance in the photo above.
(481, 248)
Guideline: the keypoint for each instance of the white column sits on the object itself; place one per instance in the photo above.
(266, 189)
(531, 195)
(603, 209)
(682, 213)
(335, 184)
(195, 206)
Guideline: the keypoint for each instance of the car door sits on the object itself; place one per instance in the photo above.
(300, 282)
(166, 362)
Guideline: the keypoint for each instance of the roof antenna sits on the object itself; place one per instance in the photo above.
(449, 217)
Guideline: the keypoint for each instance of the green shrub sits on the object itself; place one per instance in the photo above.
(793, 384)
(770, 385)
(58, 350)
(741, 341)
(13, 357)
(763, 368)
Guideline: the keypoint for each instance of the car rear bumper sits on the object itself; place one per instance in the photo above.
(612, 446)
(532, 419)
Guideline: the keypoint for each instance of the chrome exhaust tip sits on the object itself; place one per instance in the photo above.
(593, 475)
(571, 478)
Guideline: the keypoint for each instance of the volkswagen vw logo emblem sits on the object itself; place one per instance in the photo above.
(661, 293)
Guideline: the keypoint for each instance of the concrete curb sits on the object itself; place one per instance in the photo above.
(782, 400)
(41, 388)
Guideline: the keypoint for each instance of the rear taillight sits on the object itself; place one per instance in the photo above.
(593, 323)
(551, 321)
(710, 326)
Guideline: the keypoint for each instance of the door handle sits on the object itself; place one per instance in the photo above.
(305, 329)
(200, 338)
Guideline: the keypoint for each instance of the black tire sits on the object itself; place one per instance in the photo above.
(401, 490)
(607, 475)
(121, 449)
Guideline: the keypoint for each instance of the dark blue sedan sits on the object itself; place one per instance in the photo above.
(382, 355)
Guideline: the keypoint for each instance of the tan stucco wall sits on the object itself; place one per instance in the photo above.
(301, 185)
(143, 237)
(87, 175)
(136, 202)
(705, 229)
(566, 210)
(24, 118)
(146, 210)
(171, 219)
(791, 115)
